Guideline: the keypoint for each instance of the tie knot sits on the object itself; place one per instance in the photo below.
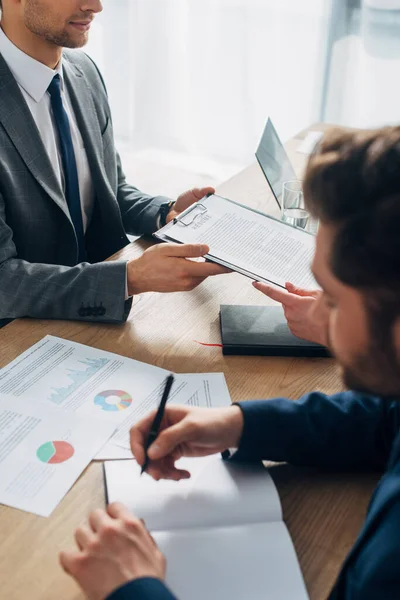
(54, 88)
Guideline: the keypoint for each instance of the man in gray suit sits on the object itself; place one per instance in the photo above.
(65, 205)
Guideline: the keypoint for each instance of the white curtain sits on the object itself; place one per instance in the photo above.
(364, 88)
(200, 77)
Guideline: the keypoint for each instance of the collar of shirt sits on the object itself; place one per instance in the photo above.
(33, 76)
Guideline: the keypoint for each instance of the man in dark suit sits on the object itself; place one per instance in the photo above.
(352, 186)
(65, 205)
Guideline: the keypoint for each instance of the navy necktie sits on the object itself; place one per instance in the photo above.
(69, 163)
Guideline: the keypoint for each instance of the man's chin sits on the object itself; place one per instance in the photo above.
(76, 42)
(69, 39)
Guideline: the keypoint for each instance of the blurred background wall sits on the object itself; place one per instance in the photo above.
(191, 82)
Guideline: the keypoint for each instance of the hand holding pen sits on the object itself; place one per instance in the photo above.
(156, 424)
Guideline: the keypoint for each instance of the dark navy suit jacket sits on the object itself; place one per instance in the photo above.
(345, 431)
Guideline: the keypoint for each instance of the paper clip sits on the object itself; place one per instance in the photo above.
(199, 210)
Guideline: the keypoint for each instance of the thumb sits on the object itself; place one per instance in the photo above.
(292, 289)
(168, 440)
(199, 193)
(186, 250)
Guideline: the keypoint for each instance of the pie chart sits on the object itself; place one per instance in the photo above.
(113, 400)
(54, 453)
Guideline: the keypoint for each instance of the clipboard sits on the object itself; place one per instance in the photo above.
(194, 214)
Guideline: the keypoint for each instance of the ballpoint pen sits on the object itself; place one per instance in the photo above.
(155, 426)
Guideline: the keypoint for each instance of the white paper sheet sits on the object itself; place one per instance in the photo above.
(42, 455)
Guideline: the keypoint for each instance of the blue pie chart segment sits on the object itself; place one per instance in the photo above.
(113, 400)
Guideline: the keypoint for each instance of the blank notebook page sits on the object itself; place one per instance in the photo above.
(218, 493)
(242, 562)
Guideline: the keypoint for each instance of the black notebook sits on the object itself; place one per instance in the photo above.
(262, 330)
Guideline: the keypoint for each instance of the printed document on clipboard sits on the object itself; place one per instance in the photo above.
(245, 240)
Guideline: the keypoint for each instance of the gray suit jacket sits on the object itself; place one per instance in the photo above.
(39, 274)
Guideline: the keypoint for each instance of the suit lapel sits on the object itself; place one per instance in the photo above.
(20, 126)
(88, 123)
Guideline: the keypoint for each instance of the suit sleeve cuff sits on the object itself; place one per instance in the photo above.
(146, 588)
(151, 220)
(127, 296)
(259, 440)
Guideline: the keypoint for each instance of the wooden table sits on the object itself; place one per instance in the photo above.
(323, 512)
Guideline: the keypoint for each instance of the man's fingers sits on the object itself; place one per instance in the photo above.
(194, 268)
(205, 269)
(152, 540)
(137, 444)
(158, 472)
(175, 474)
(83, 536)
(281, 296)
(67, 561)
(139, 432)
(138, 436)
(97, 519)
(167, 441)
(117, 510)
(292, 289)
(184, 250)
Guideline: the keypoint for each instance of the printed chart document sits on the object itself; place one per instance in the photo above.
(100, 385)
(42, 455)
(246, 241)
(221, 530)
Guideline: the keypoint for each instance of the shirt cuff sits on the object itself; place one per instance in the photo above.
(127, 296)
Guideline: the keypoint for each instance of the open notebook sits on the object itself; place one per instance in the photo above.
(221, 531)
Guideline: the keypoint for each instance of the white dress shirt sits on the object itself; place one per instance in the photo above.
(34, 78)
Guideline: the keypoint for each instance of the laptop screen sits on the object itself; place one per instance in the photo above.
(274, 161)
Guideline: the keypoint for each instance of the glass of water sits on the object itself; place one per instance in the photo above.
(293, 210)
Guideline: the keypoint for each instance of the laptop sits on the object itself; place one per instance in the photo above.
(274, 161)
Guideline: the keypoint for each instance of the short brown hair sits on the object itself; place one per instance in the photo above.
(353, 182)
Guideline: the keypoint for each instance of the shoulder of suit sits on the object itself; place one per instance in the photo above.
(85, 65)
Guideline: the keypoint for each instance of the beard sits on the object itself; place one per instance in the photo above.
(39, 22)
(376, 371)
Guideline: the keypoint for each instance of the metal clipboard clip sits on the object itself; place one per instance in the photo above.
(189, 216)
